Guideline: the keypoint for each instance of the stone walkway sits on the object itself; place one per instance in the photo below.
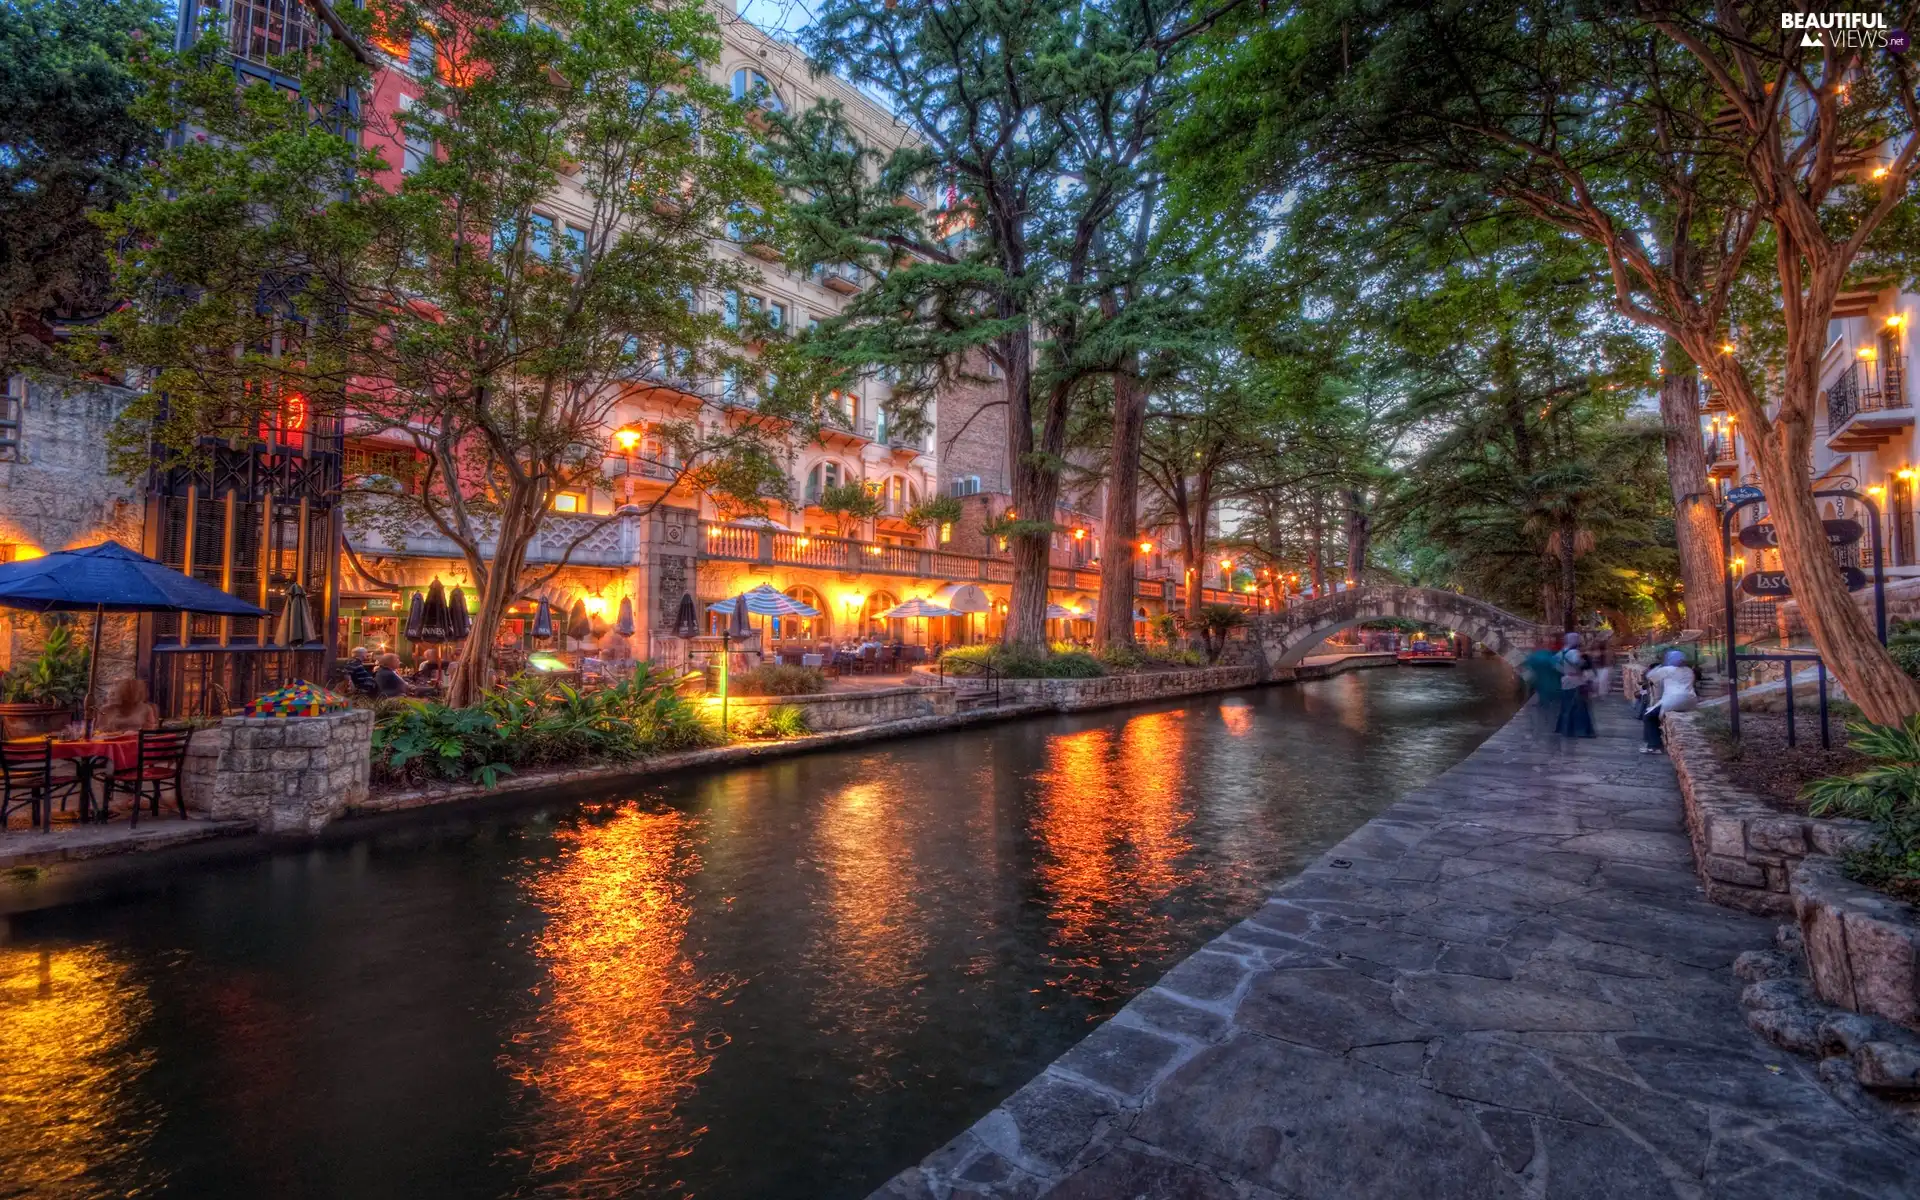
(1507, 985)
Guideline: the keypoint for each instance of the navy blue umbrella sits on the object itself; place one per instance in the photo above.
(110, 578)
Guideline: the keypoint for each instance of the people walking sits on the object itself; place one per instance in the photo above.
(1543, 676)
(1576, 688)
(1670, 688)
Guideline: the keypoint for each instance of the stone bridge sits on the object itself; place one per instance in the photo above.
(1287, 637)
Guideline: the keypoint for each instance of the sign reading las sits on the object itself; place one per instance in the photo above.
(1774, 583)
(1763, 536)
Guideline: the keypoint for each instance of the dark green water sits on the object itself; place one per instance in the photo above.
(783, 981)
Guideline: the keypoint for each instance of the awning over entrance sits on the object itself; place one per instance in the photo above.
(962, 598)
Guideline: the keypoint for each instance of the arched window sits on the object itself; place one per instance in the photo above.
(804, 629)
(751, 85)
(823, 476)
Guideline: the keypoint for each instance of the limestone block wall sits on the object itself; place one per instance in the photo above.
(1862, 947)
(1071, 695)
(57, 492)
(284, 774)
(1744, 849)
(850, 710)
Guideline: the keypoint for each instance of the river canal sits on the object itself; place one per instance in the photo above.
(789, 980)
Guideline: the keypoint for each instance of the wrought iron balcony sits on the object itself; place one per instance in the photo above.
(1867, 408)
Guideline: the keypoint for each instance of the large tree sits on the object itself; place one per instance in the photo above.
(70, 147)
(1039, 120)
(1702, 149)
(438, 304)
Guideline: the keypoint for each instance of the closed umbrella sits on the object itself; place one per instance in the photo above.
(686, 623)
(416, 609)
(578, 627)
(542, 620)
(624, 626)
(110, 578)
(296, 620)
(738, 626)
(459, 623)
(435, 624)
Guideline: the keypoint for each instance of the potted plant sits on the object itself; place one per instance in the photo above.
(41, 695)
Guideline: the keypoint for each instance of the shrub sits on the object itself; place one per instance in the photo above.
(1887, 793)
(1907, 655)
(973, 660)
(57, 675)
(1123, 657)
(780, 721)
(532, 723)
(774, 679)
(1216, 622)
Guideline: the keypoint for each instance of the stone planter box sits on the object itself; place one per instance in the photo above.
(1862, 947)
(282, 774)
(1744, 849)
(830, 711)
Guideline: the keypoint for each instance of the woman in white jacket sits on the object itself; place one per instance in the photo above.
(1670, 688)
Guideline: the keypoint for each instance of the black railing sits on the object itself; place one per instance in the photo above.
(984, 671)
(210, 681)
(1844, 398)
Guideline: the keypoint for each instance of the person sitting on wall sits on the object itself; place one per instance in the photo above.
(360, 673)
(387, 683)
(127, 709)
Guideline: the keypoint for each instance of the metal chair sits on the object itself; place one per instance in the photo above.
(160, 763)
(27, 780)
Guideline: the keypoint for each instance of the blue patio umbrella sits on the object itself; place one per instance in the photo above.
(543, 620)
(109, 578)
(766, 601)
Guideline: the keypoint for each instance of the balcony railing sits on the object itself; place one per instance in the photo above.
(602, 542)
(1855, 392)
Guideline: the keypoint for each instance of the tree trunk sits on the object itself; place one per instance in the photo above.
(1696, 523)
(1113, 622)
(1316, 556)
(1845, 635)
(473, 673)
(1359, 534)
(1567, 554)
(1036, 488)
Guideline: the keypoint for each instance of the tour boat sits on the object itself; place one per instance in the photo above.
(1427, 654)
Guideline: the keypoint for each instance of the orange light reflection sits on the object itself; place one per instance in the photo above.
(1111, 821)
(620, 1039)
(69, 1018)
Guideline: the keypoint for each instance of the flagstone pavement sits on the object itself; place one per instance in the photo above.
(1507, 985)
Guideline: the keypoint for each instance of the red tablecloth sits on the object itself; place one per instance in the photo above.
(123, 753)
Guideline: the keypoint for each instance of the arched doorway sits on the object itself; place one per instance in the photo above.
(804, 629)
(872, 625)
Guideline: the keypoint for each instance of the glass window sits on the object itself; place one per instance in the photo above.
(420, 54)
(576, 245)
(751, 85)
(540, 235)
(777, 315)
(730, 309)
(569, 502)
(11, 407)
(506, 235)
(416, 148)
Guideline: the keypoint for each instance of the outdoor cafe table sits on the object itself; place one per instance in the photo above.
(88, 755)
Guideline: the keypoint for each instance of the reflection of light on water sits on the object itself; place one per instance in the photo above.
(874, 941)
(68, 1020)
(1238, 718)
(1110, 820)
(618, 1042)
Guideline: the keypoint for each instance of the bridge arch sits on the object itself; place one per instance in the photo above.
(1287, 636)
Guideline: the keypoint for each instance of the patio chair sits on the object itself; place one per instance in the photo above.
(27, 780)
(160, 763)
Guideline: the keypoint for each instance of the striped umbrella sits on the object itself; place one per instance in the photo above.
(766, 601)
(917, 607)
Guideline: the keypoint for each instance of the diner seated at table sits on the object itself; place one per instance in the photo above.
(428, 672)
(387, 683)
(127, 709)
(359, 672)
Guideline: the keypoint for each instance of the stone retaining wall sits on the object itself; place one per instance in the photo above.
(1862, 947)
(1072, 695)
(282, 774)
(829, 711)
(1743, 848)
